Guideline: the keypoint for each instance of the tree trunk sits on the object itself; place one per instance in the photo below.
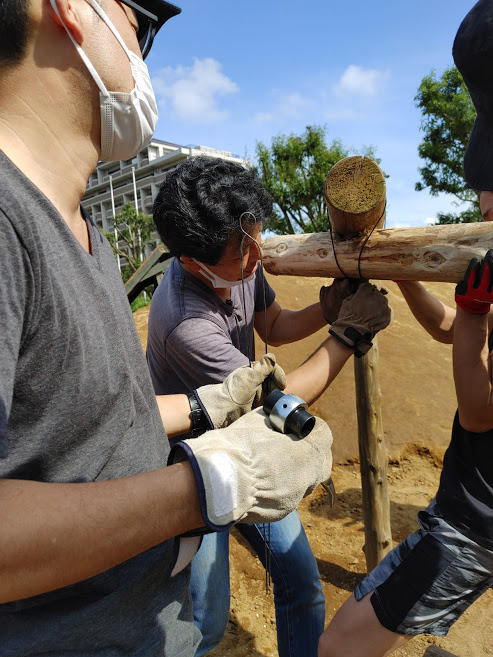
(433, 253)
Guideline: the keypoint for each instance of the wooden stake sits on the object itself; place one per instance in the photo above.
(355, 196)
(373, 458)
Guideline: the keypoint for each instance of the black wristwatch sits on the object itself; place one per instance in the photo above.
(199, 421)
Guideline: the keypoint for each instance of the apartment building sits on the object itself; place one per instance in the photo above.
(113, 184)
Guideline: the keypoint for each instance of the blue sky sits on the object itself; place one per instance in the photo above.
(229, 73)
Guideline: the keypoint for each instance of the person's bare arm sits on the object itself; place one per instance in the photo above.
(175, 414)
(473, 371)
(312, 378)
(433, 315)
(285, 326)
(54, 535)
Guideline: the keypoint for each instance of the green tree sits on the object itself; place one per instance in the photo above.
(134, 230)
(447, 118)
(293, 170)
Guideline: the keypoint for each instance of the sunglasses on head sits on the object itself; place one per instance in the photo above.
(151, 15)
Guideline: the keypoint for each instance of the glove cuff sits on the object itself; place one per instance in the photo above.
(180, 452)
(471, 306)
(360, 342)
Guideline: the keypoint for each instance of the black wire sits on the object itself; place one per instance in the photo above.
(368, 237)
(362, 247)
(265, 526)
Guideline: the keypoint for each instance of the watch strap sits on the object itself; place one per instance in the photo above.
(199, 420)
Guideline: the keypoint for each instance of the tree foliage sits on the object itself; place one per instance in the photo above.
(293, 170)
(447, 118)
(134, 229)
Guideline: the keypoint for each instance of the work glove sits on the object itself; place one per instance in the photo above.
(474, 293)
(243, 390)
(248, 472)
(362, 315)
(332, 296)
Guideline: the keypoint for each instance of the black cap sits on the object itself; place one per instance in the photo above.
(152, 15)
(473, 56)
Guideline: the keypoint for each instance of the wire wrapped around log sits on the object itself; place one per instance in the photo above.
(431, 253)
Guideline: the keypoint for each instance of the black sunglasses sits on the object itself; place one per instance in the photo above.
(151, 15)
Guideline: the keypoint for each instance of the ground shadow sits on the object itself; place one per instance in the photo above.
(238, 639)
(349, 507)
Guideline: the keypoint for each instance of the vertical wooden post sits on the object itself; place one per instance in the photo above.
(355, 196)
(373, 458)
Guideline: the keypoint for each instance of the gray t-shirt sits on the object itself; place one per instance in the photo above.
(195, 338)
(77, 405)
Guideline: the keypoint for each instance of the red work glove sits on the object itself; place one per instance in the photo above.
(474, 293)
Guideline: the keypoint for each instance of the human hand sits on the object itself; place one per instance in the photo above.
(362, 315)
(332, 296)
(248, 472)
(474, 293)
(243, 390)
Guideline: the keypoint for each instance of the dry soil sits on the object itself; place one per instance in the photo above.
(418, 402)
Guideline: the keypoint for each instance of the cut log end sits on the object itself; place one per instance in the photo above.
(355, 196)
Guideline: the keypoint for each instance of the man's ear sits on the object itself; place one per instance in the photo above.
(189, 262)
(69, 14)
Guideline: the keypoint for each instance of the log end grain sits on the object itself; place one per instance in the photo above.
(355, 195)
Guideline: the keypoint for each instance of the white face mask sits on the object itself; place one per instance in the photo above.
(218, 282)
(128, 120)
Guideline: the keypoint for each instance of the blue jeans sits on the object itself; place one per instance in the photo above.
(298, 597)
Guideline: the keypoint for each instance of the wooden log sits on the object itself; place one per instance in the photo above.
(355, 196)
(373, 458)
(431, 253)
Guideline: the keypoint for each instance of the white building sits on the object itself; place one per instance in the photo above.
(138, 180)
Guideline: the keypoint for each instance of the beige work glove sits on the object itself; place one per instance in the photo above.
(362, 315)
(251, 473)
(243, 390)
(332, 296)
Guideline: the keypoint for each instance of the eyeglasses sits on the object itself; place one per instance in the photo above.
(151, 15)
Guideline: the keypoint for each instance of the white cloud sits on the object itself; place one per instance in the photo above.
(421, 221)
(357, 81)
(292, 105)
(263, 117)
(191, 93)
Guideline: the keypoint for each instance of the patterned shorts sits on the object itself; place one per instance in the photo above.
(425, 583)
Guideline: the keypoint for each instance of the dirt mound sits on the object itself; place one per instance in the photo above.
(418, 405)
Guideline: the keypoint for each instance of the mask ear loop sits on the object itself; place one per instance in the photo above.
(245, 234)
(265, 530)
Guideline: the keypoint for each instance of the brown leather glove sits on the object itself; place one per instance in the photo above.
(362, 315)
(332, 296)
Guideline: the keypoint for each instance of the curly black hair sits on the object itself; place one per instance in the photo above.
(200, 204)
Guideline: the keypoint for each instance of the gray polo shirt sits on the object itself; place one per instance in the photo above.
(77, 405)
(194, 337)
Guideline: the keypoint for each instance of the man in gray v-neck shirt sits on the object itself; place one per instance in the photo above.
(201, 327)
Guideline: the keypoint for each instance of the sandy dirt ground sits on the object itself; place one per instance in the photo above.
(418, 404)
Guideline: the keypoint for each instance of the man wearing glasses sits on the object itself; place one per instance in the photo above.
(91, 498)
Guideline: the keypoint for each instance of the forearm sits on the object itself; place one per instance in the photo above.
(312, 378)
(433, 315)
(175, 414)
(292, 325)
(472, 371)
(54, 535)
